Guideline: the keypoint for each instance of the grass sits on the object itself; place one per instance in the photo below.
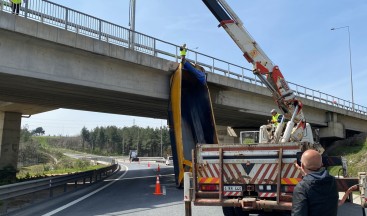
(355, 151)
(57, 164)
(45, 170)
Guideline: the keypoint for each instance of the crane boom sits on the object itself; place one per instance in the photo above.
(263, 67)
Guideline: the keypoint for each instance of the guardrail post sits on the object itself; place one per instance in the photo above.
(66, 18)
(154, 47)
(176, 54)
(26, 9)
(76, 184)
(65, 187)
(213, 66)
(100, 30)
(4, 208)
(50, 188)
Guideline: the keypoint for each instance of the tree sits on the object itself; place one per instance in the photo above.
(25, 134)
(112, 139)
(85, 136)
(38, 131)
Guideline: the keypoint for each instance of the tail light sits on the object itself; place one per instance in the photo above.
(289, 188)
(209, 187)
(250, 187)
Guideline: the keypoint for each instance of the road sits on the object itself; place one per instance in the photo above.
(130, 193)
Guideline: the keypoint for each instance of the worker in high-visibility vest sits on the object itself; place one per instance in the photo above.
(15, 5)
(183, 51)
(275, 117)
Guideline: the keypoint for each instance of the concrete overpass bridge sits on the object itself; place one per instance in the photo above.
(54, 57)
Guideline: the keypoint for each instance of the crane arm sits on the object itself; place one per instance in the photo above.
(264, 68)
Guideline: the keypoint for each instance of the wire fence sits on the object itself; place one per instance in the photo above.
(66, 18)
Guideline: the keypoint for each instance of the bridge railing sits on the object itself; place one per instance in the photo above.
(66, 18)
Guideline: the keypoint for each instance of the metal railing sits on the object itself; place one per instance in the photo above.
(66, 18)
(9, 192)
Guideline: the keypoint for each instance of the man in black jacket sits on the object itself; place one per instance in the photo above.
(317, 193)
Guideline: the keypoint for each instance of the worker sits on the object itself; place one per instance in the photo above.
(183, 51)
(276, 117)
(15, 4)
(317, 193)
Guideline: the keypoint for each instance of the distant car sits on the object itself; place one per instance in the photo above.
(169, 160)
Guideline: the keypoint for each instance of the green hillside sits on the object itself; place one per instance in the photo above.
(355, 151)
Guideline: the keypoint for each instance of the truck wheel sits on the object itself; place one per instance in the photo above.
(239, 212)
(279, 214)
(228, 211)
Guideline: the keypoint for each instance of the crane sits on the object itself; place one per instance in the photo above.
(265, 69)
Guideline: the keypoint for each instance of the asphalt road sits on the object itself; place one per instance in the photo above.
(130, 193)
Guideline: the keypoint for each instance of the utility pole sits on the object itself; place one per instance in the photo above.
(161, 141)
(138, 142)
(132, 24)
(350, 62)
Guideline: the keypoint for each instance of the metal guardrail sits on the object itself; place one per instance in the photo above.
(8, 192)
(66, 18)
(156, 159)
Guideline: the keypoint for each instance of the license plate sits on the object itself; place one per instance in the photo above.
(233, 188)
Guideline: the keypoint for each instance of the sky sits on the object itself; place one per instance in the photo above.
(295, 35)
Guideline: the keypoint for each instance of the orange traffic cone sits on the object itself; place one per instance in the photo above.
(148, 164)
(158, 169)
(158, 187)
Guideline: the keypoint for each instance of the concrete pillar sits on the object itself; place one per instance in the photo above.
(334, 129)
(9, 143)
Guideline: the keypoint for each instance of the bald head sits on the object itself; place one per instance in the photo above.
(311, 160)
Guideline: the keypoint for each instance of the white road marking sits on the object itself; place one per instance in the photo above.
(85, 196)
(142, 177)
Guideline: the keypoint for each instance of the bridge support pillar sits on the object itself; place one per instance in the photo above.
(334, 129)
(9, 144)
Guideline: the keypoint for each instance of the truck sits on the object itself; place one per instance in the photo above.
(133, 155)
(258, 174)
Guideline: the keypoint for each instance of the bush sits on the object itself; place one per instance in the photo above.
(81, 164)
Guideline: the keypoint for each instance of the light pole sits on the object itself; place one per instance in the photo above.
(132, 23)
(161, 141)
(350, 62)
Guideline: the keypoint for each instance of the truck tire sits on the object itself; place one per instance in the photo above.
(239, 212)
(234, 211)
(279, 214)
(228, 211)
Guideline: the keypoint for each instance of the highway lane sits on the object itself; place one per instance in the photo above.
(130, 193)
(133, 195)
